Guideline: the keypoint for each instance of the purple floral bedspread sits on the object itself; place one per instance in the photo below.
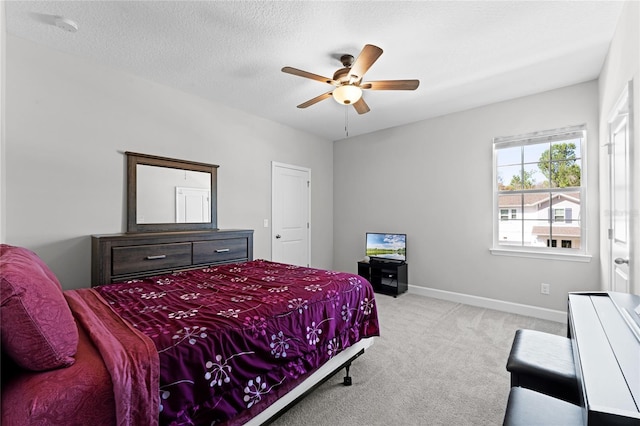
(234, 338)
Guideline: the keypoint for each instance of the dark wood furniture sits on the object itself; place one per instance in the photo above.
(605, 334)
(136, 192)
(385, 277)
(118, 257)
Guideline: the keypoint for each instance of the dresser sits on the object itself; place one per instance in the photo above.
(118, 257)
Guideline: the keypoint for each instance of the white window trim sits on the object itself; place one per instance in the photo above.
(580, 255)
(548, 254)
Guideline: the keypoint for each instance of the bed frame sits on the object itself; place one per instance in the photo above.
(324, 373)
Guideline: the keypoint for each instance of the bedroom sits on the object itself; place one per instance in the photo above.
(69, 118)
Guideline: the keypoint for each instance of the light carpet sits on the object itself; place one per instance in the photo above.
(435, 363)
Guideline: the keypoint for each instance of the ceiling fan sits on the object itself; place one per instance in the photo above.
(348, 80)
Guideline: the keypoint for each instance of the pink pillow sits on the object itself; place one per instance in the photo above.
(37, 326)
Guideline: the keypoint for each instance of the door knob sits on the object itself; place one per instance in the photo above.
(278, 236)
(621, 261)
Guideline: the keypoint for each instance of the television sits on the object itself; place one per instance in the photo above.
(387, 247)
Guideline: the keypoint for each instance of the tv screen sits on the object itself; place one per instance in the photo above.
(387, 246)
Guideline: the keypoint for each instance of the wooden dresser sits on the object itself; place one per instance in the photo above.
(118, 257)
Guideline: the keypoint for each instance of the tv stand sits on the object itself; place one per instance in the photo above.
(385, 277)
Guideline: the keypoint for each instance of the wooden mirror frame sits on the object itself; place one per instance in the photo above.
(133, 159)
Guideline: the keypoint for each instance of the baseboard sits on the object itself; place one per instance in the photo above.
(484, 302)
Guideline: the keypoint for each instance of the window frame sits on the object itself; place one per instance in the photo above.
(546, 136)
(560, 217)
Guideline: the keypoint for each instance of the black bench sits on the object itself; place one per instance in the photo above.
(544, 363)
(527, 407)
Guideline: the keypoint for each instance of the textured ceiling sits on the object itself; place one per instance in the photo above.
(465, 53)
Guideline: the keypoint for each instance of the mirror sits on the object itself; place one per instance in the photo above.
(165, 194)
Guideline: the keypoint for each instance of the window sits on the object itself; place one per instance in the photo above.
(504, 214)
(540, 192)
(558, 215)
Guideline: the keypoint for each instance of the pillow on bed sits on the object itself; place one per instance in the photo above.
(37, 326)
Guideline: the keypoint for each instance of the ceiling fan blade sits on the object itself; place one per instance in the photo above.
(300, 73)
(391, 85)
(315, 100)
(361, 106)
(367, 57)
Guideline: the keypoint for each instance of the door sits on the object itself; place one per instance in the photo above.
(290, 214)
(192, 205)
(620, 194)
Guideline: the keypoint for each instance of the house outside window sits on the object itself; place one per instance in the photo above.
(539, 179)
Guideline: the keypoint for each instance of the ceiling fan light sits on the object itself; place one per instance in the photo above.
(347, 94)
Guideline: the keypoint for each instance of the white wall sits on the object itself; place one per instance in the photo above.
(70, 122)
(433, 180)
(621, 66)
(3, 73)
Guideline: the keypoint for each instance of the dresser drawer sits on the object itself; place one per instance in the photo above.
(132, 259)
(220, 250)
(117, 257)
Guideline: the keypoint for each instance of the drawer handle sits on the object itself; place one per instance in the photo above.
(223, 250)
(160, 256)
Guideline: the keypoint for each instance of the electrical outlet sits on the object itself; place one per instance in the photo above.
(266, 223)
(545, 288)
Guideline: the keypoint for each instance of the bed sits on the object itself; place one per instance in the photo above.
(224, 344)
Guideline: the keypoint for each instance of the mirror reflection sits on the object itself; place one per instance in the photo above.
(167, 195)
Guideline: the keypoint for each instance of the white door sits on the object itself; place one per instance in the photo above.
(290, 214)
(192, 205)
(620, 194)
